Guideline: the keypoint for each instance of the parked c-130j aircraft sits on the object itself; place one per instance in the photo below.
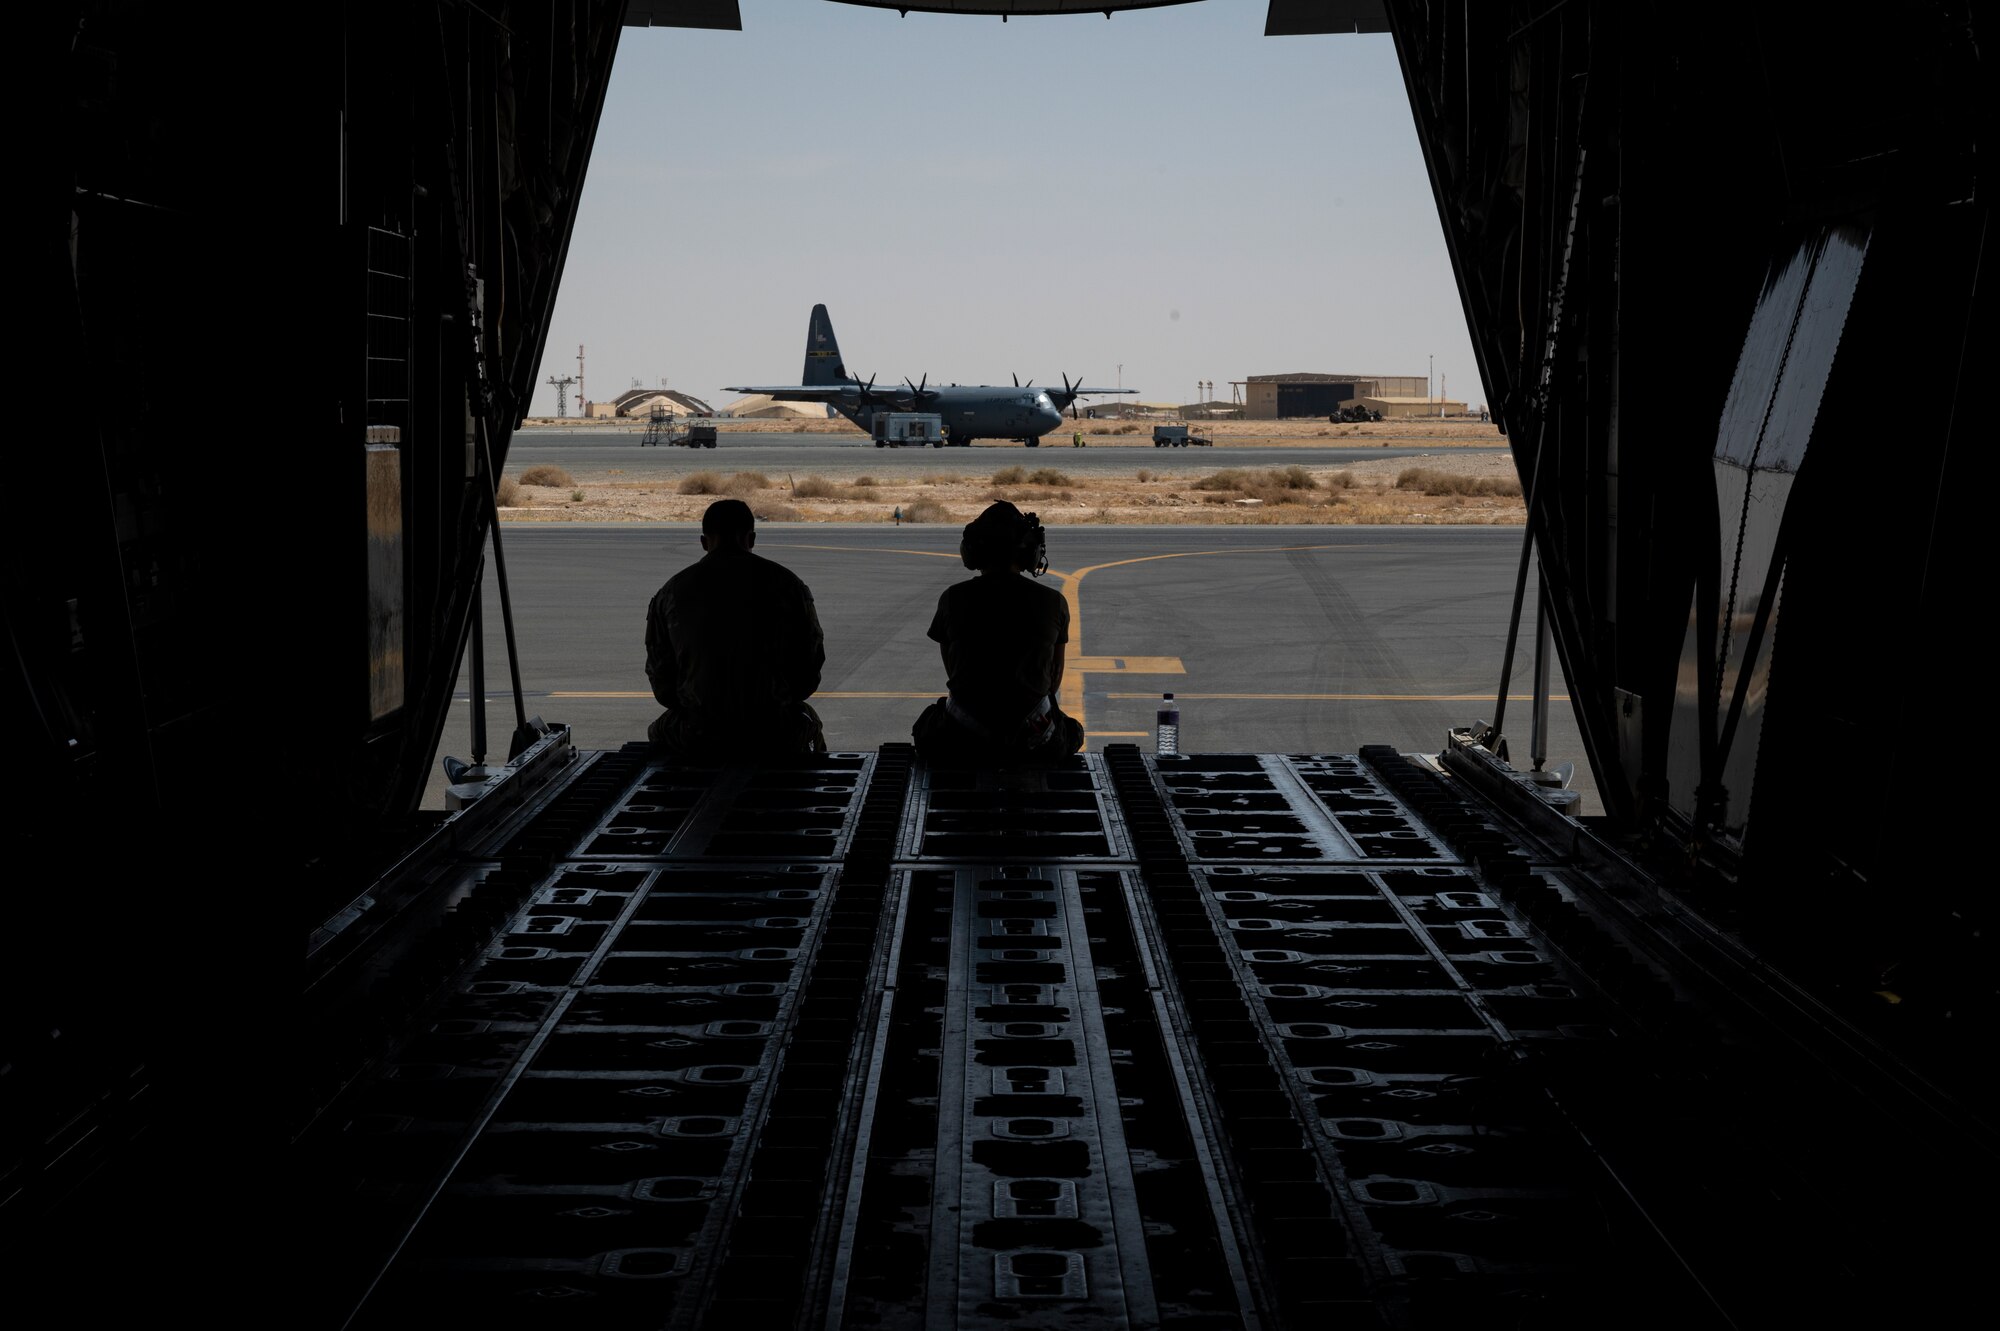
(970, 412)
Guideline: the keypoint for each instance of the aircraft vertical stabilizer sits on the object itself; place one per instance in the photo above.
(823, 363)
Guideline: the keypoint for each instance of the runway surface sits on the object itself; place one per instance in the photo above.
(595, 454)
(1275, 640)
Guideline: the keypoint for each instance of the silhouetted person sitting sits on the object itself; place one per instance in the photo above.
(733, 650)
(1002, 638)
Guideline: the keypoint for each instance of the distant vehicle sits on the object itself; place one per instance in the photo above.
(916, 428)
(662, 429)
(1353, 416)
(1177, 436)
(1022, 412)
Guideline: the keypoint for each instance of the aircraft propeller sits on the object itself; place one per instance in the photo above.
(1019, 384)
(917, 389)
(1070, 392)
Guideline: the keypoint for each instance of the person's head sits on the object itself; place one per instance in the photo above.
(1003, 539)
(728, 524)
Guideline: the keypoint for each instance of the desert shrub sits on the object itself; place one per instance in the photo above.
(700, 483)
(508, 493)
(1142, 475)
(1430, 481)
(576, 496)
(1049, 476)
(546, 475)
(815, 487)
(1277, 480)
(925, 510)
(1340, 480)
(743, 482)
(769, 510)
(1126, 429)
(865, 494)
(1233, 478)
(863, 482)
(994, 496)
(1010, 475)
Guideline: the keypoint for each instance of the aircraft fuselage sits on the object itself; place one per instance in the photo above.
(970, 412)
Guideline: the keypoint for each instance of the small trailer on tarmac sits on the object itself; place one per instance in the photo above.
(1177, 436)
(911, 428)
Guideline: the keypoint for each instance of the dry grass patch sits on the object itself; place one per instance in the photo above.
(815, 487)
(925, 510)
(508, 493)
(769, 510)
(1010, 475)
(712, 483)
(1049, 476)
(1246, 481)
(866, 494)
(863, 482)
(545, 474)
(1430, 481)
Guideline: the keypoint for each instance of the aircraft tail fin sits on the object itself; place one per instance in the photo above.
(823, 362)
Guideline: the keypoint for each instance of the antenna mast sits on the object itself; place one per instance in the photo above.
(582, 401)
(562, 393)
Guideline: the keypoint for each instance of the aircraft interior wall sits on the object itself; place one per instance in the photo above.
(1685, 263)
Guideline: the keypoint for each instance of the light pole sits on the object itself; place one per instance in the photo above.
(1430, 371)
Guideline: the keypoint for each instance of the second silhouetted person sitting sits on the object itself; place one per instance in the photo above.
(1002, 637)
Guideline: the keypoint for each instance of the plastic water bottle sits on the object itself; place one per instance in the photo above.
(1167, 728)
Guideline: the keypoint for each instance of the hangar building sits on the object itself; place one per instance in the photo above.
(1275, 396)
(640, 401)
(1397, 408)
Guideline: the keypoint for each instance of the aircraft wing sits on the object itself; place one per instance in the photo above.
(795, 392)
(1097, 392)
(852, 394)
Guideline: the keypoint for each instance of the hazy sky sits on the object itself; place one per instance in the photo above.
(1168, 190)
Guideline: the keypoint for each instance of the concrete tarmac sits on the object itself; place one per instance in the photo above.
(1274, 639)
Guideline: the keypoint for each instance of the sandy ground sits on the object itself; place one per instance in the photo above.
(1162, 487)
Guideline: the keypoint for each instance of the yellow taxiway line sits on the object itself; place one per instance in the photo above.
(1345, 697)
(1077, 666)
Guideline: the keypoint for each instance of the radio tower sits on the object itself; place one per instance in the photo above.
(582, 401)
(562, 393)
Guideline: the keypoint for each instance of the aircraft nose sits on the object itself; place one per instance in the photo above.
(1051, 418)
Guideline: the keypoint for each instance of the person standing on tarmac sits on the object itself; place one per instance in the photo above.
(1002, 637)
(1077, 440)
(733, 650)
